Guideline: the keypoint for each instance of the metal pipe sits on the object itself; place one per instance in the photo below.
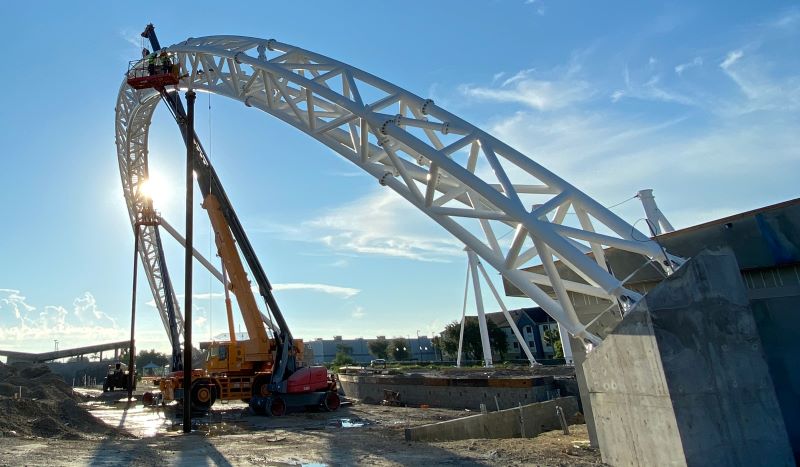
(187, 310)
(132, 349)
(463, 322)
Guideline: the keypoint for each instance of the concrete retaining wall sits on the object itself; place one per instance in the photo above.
(683, 379)
(454, 393)
(523, 422)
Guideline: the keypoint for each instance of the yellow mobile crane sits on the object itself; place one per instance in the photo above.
(266, 369)
(251, 369)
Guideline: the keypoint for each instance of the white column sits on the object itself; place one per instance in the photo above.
(567, 348)
(487, 349)
(657, 219)
(463, 314)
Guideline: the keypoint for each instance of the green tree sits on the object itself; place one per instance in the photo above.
(438, 347)
(473, 349)
(553, 339)
(399, 349)
(379, 348)
(343, 357)
(146, 356)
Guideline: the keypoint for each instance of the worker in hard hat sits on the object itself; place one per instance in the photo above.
(166, 63)
(151, 63)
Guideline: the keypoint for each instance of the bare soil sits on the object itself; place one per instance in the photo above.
(47, 407)
(53, 425)
(230, 435)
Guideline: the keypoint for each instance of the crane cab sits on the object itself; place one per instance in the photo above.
(224, 357)
(154, 70)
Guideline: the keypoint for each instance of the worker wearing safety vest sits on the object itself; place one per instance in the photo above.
(151, 63)
(166, 63)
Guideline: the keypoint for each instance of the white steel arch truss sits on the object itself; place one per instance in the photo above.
(469, 182)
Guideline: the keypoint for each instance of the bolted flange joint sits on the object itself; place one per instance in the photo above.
(424, 108)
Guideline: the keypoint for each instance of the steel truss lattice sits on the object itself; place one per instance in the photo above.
(472, 184)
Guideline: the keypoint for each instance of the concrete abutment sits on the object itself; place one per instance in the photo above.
(683, 379)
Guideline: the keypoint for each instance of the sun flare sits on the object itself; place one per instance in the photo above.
(154, 189)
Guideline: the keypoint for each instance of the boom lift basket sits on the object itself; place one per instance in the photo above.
(143, 75)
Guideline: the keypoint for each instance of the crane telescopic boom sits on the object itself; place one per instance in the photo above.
(209, 183)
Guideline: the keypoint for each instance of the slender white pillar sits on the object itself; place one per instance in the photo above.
(514, 328)
(463, 314)
(565, 345)
(657, 218)
(487, 348)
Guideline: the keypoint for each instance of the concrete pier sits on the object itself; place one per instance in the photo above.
(683, 380)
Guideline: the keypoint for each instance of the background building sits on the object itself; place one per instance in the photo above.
(532, 323)
(321, 351)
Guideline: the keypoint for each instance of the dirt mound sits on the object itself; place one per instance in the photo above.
(37, 382)
(48, 407)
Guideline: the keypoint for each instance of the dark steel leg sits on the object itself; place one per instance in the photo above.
(132, 350)
(187, 310)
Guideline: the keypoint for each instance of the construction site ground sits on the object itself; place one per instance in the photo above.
(230, 435)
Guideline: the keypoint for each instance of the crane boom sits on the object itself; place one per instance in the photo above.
(209, 183)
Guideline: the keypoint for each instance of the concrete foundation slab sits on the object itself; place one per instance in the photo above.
(453, 393)
(526, 421)
(683, 379)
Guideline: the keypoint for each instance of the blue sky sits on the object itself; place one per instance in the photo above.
(700, 102)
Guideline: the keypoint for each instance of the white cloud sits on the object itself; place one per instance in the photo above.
(13, 300)
(652, 89)
(335, 290)
(86, 310)
(358, 313)
(763, 87)
(382, 223)
(133, 38)
(788, 20)
(733, 57)
(541, 9)
(696, 62)
(343, 292)
(556, 89)
(696, 174)
(32, 330)
(537, 94)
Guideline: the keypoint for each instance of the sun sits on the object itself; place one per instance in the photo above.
(154, 189)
